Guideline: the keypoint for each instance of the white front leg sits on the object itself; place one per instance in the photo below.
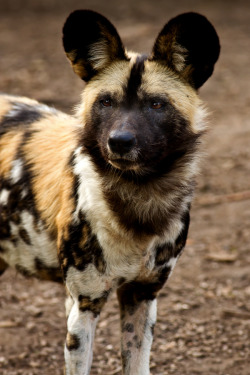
(79, 342)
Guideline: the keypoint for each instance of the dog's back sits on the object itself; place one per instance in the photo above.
(35, 146)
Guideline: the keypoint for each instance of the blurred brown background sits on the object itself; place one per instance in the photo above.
(204, 310)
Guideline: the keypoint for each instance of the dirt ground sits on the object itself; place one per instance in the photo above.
(204, 310)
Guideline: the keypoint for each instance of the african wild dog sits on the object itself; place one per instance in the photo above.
(101, 200)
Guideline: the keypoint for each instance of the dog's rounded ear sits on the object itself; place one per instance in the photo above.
(189, 45)
(91, 43)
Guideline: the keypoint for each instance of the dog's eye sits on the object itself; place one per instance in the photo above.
(156, 105)
(106, 103)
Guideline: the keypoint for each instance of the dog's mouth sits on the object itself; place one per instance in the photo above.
(124, 161)
(124, 164)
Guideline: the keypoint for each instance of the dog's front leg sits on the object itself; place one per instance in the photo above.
(138, 316)
(79, 342)
(87, 294)
(88, 287)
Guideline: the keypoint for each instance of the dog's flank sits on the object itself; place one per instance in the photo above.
(101, 200)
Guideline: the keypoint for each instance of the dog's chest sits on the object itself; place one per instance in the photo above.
(123, 253)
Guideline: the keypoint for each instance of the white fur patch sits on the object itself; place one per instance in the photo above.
(99, 54)
(24, 193)
(179, 56)
(88, 282)
(172, 262)
(16, 171)
(50, 110)
(141, 360)
(200, 119)
(141, 322)
(83, 325)
(90, 199)
(14, 111)
(41, 247)
(173, 232)
(4, 196)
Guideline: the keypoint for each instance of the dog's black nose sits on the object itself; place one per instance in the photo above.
(121, 142)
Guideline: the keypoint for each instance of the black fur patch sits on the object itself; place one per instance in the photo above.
(3, 264)
(41, 271)
(1, 250)
(23, 234)
(152, 328)
(131, 295)
(72, 342)
(20, 115)
(156, 224)
(23, 271)
(16, 201)
(5, 231)
(128, 327)
(129, 344)
(82, 30)
(45, 272)
(137, 342)
(134, 81)
(81, 248)
(10, 212)
(95, 305)
(167, 251)
(126, 354)
(199, 42)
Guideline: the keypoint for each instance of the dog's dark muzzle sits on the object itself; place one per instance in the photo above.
(121, 142)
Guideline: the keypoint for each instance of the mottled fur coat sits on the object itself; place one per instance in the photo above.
(101, 200)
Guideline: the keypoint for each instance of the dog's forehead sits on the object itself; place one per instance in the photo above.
(138, 71)
(123, 78)
(138, 77)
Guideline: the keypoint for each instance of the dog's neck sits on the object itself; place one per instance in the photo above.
(143, 206)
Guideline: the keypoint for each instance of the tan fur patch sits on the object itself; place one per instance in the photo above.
(99, 54)
(49, 154)
(77, 67)
(65, 207)
(8, 148)
(5, 106)
(158, 79)
(179, 56)
(112, 79)
(24, 100)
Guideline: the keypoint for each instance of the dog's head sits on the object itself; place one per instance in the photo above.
(141, 113)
